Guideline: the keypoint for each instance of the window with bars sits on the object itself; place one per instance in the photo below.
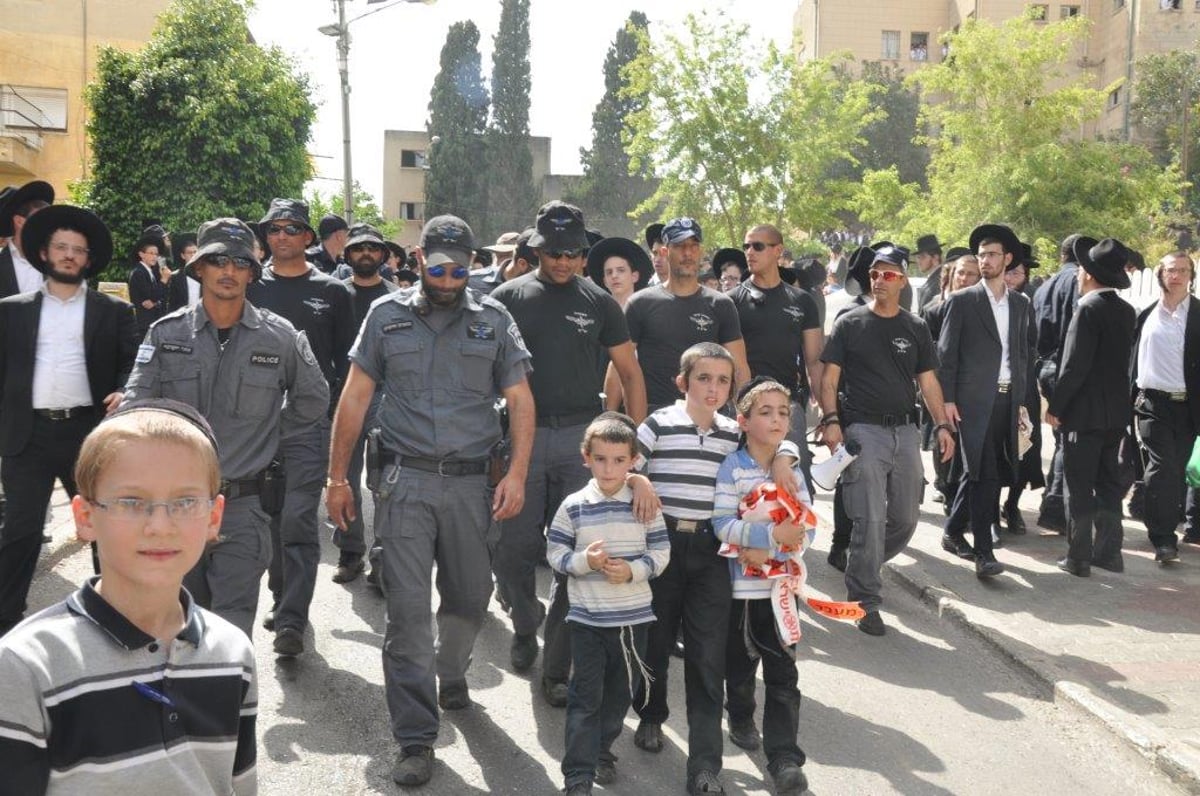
(32, 108)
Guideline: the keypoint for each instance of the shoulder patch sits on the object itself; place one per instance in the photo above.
(515, 334)
(304, 349)
(145, 353)
(396, 326)
(175, 348)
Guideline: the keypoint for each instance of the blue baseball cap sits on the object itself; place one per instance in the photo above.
(680, 229)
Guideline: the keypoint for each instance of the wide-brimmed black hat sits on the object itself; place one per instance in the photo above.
(1008, 239)
(628, 250)
(723, 257)
(928, 244)
(858, 267)
(1106, 263)
(1027, 257)
(42, 224)
(37, 189)
(954, 252)
(1080, 246)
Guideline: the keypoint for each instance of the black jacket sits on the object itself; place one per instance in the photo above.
(1093, 375)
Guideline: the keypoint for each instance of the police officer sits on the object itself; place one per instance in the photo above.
(235, 363)
(321, 307)
(443, 355)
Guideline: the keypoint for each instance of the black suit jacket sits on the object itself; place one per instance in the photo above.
(142, 287)
(1191, 354)
(969, 354)
(110, 336)
(8, 274)
(1093, 376)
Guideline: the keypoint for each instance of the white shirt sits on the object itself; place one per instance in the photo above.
(193, 292)
(29, 278)
(1160, 354)
(60, 378)
(1000, 313)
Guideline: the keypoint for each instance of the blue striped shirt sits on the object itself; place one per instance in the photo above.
(587, 516)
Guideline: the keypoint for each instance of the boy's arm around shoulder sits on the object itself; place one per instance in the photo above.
(658, 551)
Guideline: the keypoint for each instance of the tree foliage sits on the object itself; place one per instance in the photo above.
(200, 123)
(737, 143)
(366, 209)
(1002, 149)
(1166, 91)
(610, 188)
(458, 109)
(512, 200)
(890, 140)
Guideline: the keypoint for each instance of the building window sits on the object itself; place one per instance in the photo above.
(1066, 12)
(1118, 4)
(29, 108)
(1041, 12)
(1114, 98)
(891, 45)
(918, 49)
(1170, 5)
(411, 211)
(412, 159)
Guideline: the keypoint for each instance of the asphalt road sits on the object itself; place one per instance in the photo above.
(923, 710)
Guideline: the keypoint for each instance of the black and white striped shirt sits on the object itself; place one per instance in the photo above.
(682, 461)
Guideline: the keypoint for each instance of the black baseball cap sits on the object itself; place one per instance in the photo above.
(447, 239)
(680, 229)
(329, 224)
(559, 227)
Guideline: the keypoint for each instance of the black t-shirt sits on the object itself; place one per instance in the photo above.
(318, 305)
(566, 328)
(773, 324)
(879, 358)
(364, 297)
(664, 325)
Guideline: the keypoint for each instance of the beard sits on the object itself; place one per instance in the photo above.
(442, 298)
(63, 277)
(364, 267)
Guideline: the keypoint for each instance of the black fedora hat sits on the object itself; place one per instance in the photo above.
(723, 257)
(625, 248)
(42, 224)
(1008, 239)
(954, 252)
(928, 244)
(37, 189)
(1106, 263)
(1080, 246)
(858, 280)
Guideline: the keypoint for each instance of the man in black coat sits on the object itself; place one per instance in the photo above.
(1165, 371)
(1091, 407)
(983, 351)
(65, 353)
(17, 274)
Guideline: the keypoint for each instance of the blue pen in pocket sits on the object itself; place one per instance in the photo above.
(153, 694)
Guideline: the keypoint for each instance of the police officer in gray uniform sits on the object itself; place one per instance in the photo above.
(235, 363)
(443, 354)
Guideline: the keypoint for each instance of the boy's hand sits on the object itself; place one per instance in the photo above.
(753, 557)
(646, 504)
(784, 476)
(617, 570)
(788, 534)
(596, 557)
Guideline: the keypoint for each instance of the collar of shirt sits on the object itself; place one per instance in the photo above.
(78, 294)
(680, 416)
(88, 603)
(1180, 312)
(593, 493)
(251, 317)
(997, 302)
(415, 297)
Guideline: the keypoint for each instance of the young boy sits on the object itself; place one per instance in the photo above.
(684, 445)
(127, 685)
(609, 557)
(764, 413)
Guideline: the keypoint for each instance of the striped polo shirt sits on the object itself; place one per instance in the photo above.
(682, 461)
(90, 704)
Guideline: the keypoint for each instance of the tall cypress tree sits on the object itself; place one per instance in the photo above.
(513, 198)
(458, 107)
(608, 191)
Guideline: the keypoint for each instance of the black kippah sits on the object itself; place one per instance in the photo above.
(750, 385)
(177, 408)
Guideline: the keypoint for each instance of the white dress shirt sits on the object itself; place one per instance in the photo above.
(1000, 313)
(193, 287)
(60, 379)
(29, 278)
(1160, 354)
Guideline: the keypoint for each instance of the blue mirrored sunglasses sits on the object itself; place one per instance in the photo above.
(438, 271)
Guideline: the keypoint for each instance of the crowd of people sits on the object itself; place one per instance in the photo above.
(592, 402)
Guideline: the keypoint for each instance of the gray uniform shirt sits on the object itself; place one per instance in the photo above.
(239, 389)
(441, 371)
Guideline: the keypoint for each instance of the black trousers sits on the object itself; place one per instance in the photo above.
(28, 479)
(1093, 492)
(1167, 435)
(978, 498)
(1052, 507)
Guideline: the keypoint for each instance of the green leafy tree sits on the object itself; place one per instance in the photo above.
(366, 209)
(200, 123)
(458, 108)
(512, 199)
(1003, 152)
(610, 188)
(736, 142)
(1166, 101)
(890, 140)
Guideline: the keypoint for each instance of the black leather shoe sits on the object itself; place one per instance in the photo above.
(555, 692)
(958, 546)
(454, 696)
(1080, 569)
(606, 772)
(837, 558)
(524, 651)
(348, 569)
(1191, 537)
(987, 567)
(789, 780)
(1166, 553)
(872, 624)
(1114, 564)
(414, 766)
(1013, 520)
(745, 735)
(1052, 523)
(648, 737)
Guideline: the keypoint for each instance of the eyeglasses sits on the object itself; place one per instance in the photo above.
(63, 248)
(757, 245)
(224, 261)
(988, 255)
(886, 276)
(569, 254)
(438, 271)
(287, 229)
(136, 509)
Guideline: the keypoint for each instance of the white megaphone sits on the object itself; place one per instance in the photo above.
(825, 474)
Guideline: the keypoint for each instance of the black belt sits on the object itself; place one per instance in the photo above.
(1177, 397)
(687, 526)
(240, 487)
(563, 421)
(442, 467)
(887, 420)
(65, 414)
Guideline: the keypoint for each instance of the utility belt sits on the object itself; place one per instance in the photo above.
(1163, 395)
(687, 526)
(270, 486)
(567, 420)
(893, 420)
(442, 467)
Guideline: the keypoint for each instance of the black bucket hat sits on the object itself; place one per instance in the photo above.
(227, 236)
(42, 224)
(286, 210)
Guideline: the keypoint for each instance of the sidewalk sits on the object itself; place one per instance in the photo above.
(1125, 648)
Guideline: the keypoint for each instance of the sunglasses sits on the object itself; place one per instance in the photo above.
(224, 260)
(369, 247)
(438, 271)
(570, 254)
(288, 229)
(886, 276)
(757, 245)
